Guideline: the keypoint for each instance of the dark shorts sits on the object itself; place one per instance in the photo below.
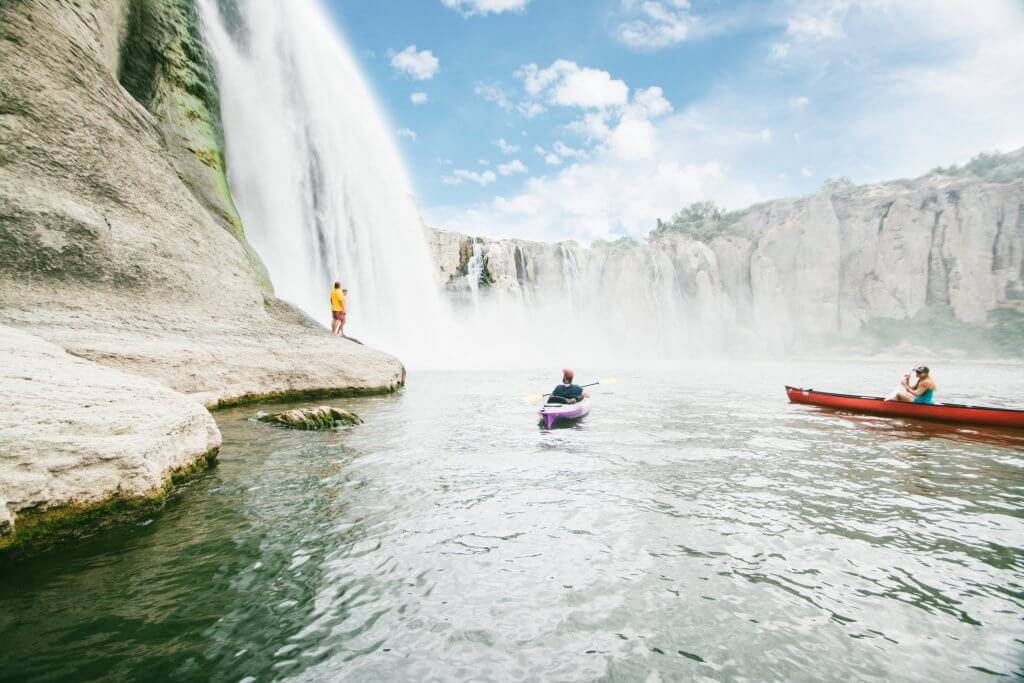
(338, 315)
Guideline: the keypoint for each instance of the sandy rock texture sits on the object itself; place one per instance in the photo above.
(823, 264)
(76, 433)
(119, 242)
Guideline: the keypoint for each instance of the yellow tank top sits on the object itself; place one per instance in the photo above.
(337, 300)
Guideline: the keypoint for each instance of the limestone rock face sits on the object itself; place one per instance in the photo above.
(320, 417)
(77, 433)
(114, 248)
(823, 264)
(121, 254)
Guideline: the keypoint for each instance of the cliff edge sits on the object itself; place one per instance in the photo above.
(123, 264)
(900, 259)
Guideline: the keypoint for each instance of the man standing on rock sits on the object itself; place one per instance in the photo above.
(339, 298)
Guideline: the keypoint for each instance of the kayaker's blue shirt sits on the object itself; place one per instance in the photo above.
(926, 396)
(568, 391)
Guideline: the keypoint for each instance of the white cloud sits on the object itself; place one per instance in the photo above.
(660, 23)
(483, 162)
(593, 126)
(505, 147)
(596, 199)
(824, 26)
(530, 110)
(407, 133)
(567, 84)
(418, 98)
(419, 65)
(480, 7)
(512, 167)
(495, 94)
(633, 139)
(462, 175)
(648, 104)
(819, 110)
(566, 152)
(550, 158)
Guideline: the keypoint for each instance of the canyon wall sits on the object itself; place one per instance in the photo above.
(778, 272)
(129, 297)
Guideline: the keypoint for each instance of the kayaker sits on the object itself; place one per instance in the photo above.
(567, 392)
(339, 301)
(923, 390)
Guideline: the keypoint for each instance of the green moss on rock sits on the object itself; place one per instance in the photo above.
(39, 530)
(307, 395)
(164, 64)
(313, 419)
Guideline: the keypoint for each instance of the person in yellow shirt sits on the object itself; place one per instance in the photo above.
(339, 300)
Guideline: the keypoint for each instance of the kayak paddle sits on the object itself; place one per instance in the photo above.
(533, 398)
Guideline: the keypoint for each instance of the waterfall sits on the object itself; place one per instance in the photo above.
(324, 196)
(475, 271)
(317, 177)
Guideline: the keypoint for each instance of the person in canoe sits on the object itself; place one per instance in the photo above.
(923, 390)
(567, 392)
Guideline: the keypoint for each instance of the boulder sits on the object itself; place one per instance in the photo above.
(320, 417)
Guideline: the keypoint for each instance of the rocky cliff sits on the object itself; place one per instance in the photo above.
(128, 294)
(829, 264)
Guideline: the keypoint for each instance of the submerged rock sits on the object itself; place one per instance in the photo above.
(320, 417)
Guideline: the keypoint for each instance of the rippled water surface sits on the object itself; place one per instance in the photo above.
(696, 527)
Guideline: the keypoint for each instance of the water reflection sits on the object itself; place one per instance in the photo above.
(699, 531)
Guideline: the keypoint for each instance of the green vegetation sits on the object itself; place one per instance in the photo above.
(625, 242)
(838, 184)
(164, 65)
(994, 167)
(1002, 335)
(37, 531)
(701, 220)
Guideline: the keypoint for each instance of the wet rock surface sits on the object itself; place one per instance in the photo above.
(320, 417)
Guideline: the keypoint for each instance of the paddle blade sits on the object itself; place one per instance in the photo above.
(608, 380)
(533, 398)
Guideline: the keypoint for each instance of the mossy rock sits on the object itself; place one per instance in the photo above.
(42, 529)
(320, 417)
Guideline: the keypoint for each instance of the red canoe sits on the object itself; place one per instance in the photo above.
(937, 412)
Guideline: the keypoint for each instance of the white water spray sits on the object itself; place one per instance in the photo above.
(324, 196)
(317, 177)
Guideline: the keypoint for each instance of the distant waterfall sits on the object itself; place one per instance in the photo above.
(317, 177)
(475, 271)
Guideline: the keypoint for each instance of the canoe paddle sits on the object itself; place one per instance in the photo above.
(533, 398)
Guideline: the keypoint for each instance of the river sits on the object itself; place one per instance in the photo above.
(694, 526)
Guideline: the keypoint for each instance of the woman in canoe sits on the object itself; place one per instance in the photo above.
(922, 392)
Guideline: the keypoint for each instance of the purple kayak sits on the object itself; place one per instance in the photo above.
(551, 413)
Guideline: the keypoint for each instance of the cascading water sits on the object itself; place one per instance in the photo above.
(317, 177)
(475, 272)
(324, 196)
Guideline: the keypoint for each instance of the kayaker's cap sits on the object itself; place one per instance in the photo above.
(567, 375)
(921, 369)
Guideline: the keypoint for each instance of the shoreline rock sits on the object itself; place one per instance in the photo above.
(129, 296)
(78, 436)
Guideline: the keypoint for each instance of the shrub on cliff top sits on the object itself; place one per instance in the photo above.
(624, 242)
(994, 167)
(701, 220)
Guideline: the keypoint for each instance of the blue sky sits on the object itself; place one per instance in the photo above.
(616, 112)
